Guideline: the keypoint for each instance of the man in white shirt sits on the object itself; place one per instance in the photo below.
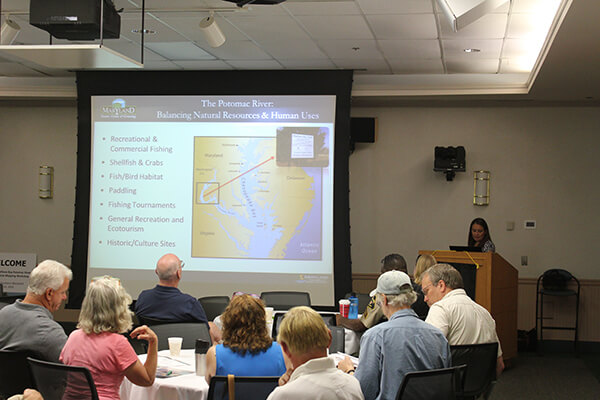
(462, 320)
(304, 339)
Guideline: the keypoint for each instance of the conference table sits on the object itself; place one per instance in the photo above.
(187, 386)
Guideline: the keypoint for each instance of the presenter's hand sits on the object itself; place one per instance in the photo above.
(144, 333)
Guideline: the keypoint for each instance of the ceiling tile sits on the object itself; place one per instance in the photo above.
(386, 7)
(403, 66)
(336, 27)
(203, 64)
(533, 6)
(488, 48)
(161, 65)
(481, 66)
(258, 64)
(371, 66)
(292, 49)
(491, 26)
(410, 49)
(266, 28)
(520, 48)
(240, 50)
(322, 8)
(14, 69)
(307, 64)
(521, 26)
(179, 51)
(414, 26)
(187, 26)
(162, 32)
(350, 49)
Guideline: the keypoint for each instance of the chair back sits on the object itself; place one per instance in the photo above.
(62, 382)
(328, 318)
(435, 384)
(15, 376)
(480, 360)
(554, 281)
(152, 321)
(246, 387)
(285, 300)
(338, 339)
(214, 305)
(189, 331)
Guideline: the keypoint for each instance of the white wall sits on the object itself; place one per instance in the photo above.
(544, 165)
(30, 136)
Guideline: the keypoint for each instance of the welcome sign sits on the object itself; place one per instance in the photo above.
(14, 271)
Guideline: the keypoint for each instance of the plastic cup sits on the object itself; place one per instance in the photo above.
(344, 307)
(175, 346)
(269, 311)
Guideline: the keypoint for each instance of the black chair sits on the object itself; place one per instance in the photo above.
(480, 373)
(189, 331)
(285, 300)
(555, 282)
(214, 305)
(328, 318)
(363, 301)
(338, 339)
(435, 384)
(62, 382)
(152, 321)
(246, 387)
(68, 326)
(14, 373)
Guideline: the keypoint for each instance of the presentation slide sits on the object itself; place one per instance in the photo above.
(238, 187)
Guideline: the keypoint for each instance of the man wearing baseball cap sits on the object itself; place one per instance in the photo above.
(402, 344)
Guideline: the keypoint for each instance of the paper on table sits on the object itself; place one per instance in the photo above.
(166, 372)
(339, 356)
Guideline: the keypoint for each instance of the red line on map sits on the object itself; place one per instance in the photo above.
(239, 176)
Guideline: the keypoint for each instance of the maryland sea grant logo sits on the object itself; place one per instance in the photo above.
(118, 109)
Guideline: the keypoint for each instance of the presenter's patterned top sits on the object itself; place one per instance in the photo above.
(488, 247)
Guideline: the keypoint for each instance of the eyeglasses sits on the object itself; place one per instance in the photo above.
(242, 293)
(425, 289)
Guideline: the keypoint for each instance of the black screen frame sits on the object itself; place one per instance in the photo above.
(174, 83)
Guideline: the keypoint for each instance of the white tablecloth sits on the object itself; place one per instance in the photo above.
(183, 387)
(351, 341)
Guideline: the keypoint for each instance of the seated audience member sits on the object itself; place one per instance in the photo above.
(373, 313)
(166, 302)
(402, 344)
(28, 325)
(460, 319)
(423, 263)
(99, 346)
(305, 339)
(247, 348)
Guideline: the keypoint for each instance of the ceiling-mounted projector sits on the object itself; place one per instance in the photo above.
(75, 19)
(461, 13)
(242, 3)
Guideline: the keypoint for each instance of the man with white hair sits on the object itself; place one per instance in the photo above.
(28, 325)
(402, 344)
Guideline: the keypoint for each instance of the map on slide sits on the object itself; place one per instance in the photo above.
(247, 205)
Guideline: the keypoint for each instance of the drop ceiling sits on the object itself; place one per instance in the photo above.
(398, 48)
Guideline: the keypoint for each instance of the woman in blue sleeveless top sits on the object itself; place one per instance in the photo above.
(247, 348)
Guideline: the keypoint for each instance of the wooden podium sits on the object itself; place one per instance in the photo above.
(496, 289)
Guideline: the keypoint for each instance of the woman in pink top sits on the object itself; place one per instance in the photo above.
(99, 346)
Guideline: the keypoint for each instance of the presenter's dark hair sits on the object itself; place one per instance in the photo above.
(486, 237)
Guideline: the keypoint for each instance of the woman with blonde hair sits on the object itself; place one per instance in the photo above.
(99, 346)
(423, 263)
(247, 348)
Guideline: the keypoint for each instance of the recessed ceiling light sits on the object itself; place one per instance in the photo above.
(146, 31)
(470, 50)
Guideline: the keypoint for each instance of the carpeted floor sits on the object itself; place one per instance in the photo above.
(550, 377)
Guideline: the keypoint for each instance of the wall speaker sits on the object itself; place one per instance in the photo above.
(363, 130)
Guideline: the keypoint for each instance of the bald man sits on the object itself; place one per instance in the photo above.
(165, 301)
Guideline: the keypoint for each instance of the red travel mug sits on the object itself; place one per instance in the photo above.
(344, 307)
